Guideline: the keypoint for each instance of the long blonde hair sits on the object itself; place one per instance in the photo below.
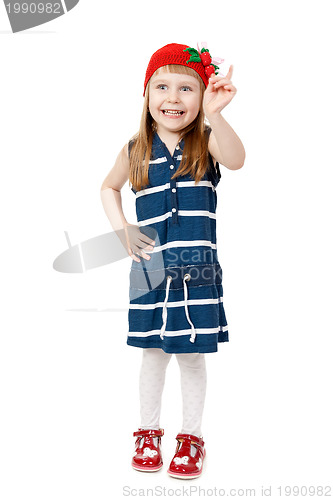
(195, 153)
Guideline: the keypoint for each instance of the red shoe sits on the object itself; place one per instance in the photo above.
(184, 465)
(147, 456)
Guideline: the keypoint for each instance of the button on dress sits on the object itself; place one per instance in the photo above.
(176, 297)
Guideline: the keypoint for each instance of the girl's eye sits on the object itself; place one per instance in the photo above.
(160, 86)
(187, 88)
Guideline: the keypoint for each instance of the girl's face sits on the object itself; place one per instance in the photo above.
(174, 100)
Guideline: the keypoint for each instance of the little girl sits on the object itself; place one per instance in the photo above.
(176, 295)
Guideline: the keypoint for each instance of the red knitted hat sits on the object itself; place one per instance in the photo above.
(175, 53)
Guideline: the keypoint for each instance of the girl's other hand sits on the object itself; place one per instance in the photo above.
(135, 241)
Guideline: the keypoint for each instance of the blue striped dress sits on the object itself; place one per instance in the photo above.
(176, 297)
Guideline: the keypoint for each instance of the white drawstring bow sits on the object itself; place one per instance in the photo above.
(165, 311)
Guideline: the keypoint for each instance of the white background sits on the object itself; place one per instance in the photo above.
(71, 97)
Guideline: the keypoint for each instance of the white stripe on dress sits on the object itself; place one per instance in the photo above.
(179, 303)
(185, 243)
(182, 213)
(163, 159)
(163, 187)
(178, 333)
(158, 160)
(152, 190)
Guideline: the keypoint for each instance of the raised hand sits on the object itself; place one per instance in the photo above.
(219, 92)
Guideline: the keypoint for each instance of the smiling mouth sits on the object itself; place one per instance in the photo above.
(172, 112)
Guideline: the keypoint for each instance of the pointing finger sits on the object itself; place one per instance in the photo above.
(230, 72)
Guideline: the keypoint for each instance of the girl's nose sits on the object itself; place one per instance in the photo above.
(173, 97)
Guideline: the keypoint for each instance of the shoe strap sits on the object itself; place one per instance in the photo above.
(191, 437)
(149, 432)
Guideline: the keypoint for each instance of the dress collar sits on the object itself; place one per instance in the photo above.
(157, 142)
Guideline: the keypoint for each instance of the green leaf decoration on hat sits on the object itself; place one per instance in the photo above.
(195, 56)
(207, 60)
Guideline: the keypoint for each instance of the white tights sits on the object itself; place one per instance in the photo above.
(193, 385)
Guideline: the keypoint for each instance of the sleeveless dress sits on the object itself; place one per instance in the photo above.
(176, 297)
